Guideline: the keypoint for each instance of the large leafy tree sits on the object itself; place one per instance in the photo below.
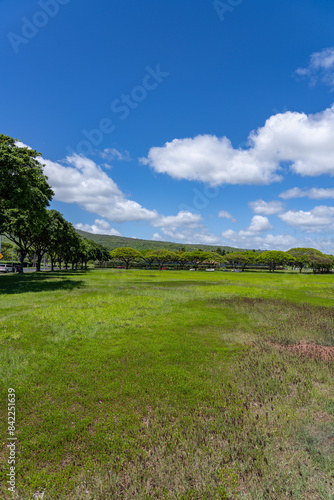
(41, 241)
(149, 257)
(90, 250)
(274, 258)
(24, 194)
(321, 263)
(126, 255)
(58, 236)
(102, 254)
(198, 256)
(303, 256)
(181, 258)
(162, 257)
(240, 259)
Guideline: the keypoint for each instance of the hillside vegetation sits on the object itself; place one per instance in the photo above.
(111, 242)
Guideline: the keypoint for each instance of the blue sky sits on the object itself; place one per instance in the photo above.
(194, 121)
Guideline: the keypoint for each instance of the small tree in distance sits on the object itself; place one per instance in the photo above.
(126, 255)
(162, 257)
(274, 258)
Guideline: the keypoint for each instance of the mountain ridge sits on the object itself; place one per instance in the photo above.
(111, 242)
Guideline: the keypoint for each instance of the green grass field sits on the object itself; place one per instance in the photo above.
(167, 385)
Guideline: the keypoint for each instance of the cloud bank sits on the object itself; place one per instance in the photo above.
(83, 182)
(100, 226)
(313, 193)
(304, 142)
(267, 208)
(80, 180)
(317, 220)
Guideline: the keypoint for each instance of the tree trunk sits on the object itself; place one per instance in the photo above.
(22, 257)
(38, 262)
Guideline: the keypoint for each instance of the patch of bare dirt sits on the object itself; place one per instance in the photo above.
(310, 349)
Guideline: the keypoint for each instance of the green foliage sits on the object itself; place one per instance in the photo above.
(24, 194)
(196, 257)
(321, 263)
(112, 242)
(240, 259)
(7, 249)
(162, 257)
(126, 255)
(274, 258)
(302, 256)
(23, 185)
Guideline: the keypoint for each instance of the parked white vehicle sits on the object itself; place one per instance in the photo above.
(6, 268)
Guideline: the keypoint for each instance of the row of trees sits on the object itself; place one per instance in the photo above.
(296, 257)
(129, 256)
(25, 219)
(299, 258)
(24, 216)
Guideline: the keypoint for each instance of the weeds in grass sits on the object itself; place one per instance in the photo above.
(170, 389)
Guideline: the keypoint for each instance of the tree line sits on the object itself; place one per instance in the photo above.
(299, 258)
(25, 219)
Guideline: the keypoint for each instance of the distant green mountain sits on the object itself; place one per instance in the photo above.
(112, 242)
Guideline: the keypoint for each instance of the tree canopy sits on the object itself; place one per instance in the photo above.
(126, 255)
(274, 258)
(24, 194)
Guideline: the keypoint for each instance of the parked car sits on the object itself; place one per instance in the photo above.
(6, 268)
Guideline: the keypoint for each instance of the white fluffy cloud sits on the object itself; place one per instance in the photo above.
(100, 226)
(320, 68)
(83, 182)
(157, 237)
(226, 215)
(182, 219)
(210, 159)
(184, 227)
(249, 237)
(283, 242)
(317, 220)
(188, 235)
(303, 141)
(267, 208)
(113, 154)
(268, 242)
(259, 224)
(313, 193)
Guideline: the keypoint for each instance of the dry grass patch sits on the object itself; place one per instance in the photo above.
(309, 349)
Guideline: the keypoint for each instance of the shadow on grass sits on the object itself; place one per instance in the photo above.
(40, 282)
